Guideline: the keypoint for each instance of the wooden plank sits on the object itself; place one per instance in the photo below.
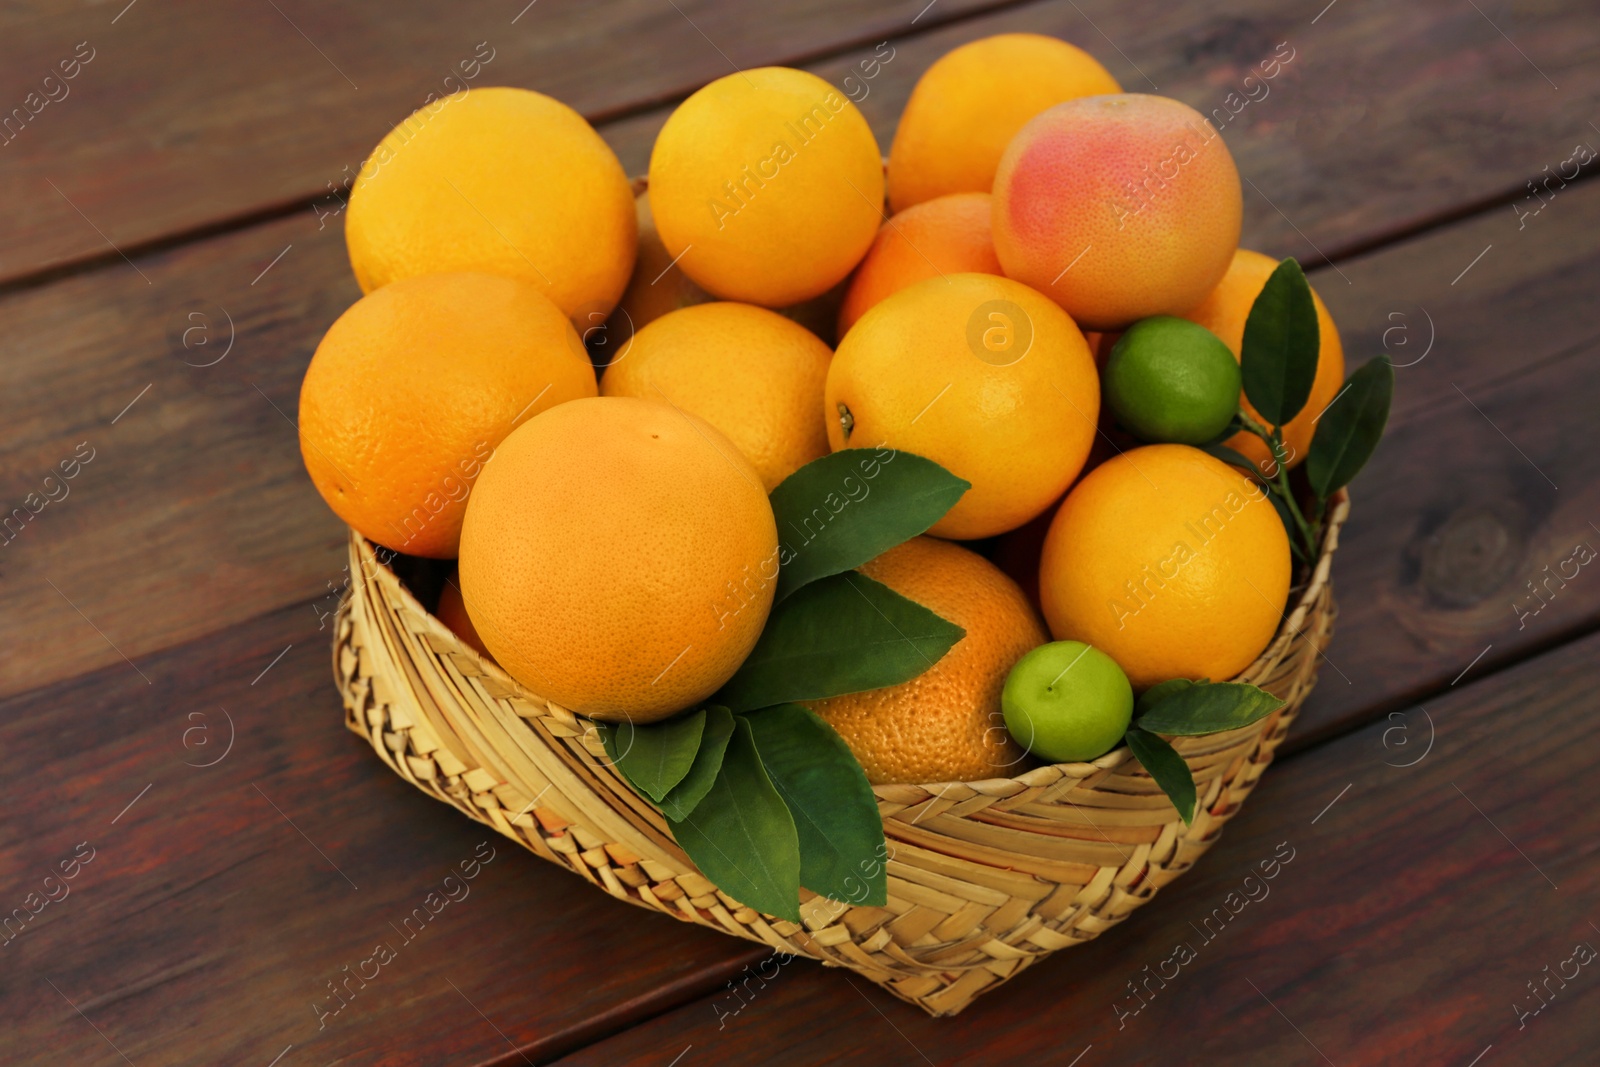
(1363, 89)
(183, 489)
(1324, 135)
(1458, 517)
(215, 521)
(258, 121)
(219, 901)
(1409, 908)
(193, 512)
(203, 519)
(188, 115)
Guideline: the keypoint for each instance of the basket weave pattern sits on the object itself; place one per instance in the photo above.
(984, 878)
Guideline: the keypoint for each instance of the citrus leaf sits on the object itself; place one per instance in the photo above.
(1350, 428)
(1159, 692)
(1207, 708)
(842, 634)
(841, 834)
(837, 512)
(1231, 456)
(1167, 768)
(655, 756)
(1278, 357)
(707, 762)
(741, 835)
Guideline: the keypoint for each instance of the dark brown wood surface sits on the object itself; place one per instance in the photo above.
(1409, 908)
(216, 521)
(1382, 122)
(145, 613)
(221, 900)
(193, 115)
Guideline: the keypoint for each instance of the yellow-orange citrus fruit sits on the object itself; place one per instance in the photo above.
(1224, 313)
(452, 611)
(750, 372)
(413, 388)
(945, 725)
(1118, 207)
(1170, 561)
(499, 180)
(947, 235)
(619, 557)
(981, 375)
(966, 108)
(768, 184)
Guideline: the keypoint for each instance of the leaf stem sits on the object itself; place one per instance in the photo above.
(1280, 483)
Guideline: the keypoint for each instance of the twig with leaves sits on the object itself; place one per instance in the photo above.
(1278, 367)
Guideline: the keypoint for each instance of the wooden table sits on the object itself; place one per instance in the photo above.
(170, 734)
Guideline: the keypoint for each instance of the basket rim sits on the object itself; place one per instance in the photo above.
(1037, 776)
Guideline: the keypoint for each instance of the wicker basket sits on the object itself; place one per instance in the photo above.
(984, 878)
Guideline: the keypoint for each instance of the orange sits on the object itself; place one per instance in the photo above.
(948, 235)
(1224, 313)
(748, 371)
(619, 558)
(1170, 561)
(965, 109)
(945, 725)
(413, 388)
(1118, 208)
(500, 180)
(452, 611)
(768, 184)
(983, 376)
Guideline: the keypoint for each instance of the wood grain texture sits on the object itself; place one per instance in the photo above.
(193, 545)
(192, 113)
(1402, 930)
(216, 521)
(181, 488)
(194, 512)
(1384, 118)
(1459, 515)
(218, 907)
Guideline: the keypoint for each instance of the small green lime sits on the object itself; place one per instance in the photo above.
(1171, 380)
(1067, 702)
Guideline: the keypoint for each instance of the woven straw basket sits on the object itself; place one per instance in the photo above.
(984, 878)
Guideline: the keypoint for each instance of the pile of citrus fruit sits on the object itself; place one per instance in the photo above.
(693, 447)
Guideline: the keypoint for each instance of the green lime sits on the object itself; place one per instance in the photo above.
(1067, 702)
(1171, 380)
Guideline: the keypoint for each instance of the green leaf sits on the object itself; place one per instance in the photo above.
(1167, 768)
(707, 762)
(837, 512)
(1229, 455)
(842, 634)
(1350, 427)
(1159, 692)
(741, 835)
(1278, 358)
(1207, 708)
(655, 756)
(841, 834)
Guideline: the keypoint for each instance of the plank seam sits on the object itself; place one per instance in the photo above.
(285, 208)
